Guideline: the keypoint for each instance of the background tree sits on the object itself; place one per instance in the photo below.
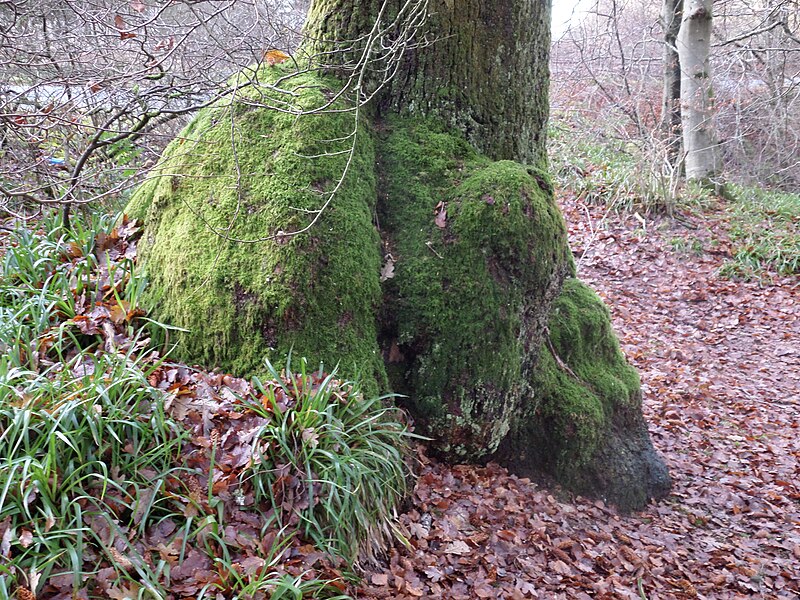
(697, 97)
(754, 52)
(394, 215)
(671, 16)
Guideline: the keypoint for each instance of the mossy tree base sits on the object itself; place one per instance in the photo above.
(233, 179)
(480, 250)
(584, 425)
(479, 253)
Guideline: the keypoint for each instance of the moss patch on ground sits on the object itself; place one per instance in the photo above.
(240, 171)
(480, 250)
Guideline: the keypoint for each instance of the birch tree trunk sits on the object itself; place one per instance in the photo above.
(699, 138)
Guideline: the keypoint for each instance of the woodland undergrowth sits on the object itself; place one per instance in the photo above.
(127, 475)
(107, 444)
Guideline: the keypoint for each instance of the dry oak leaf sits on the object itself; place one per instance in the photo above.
(275, 57)
(441, 215)
(457, 547)
(387, 272)
(119, 25)
(166, 44)
(25, 538)
(24, 593)
(124, 591)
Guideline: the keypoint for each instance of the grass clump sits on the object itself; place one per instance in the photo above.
(765, 231)
(340, 456)
(108, 488)
(610, 166)
(81, 430)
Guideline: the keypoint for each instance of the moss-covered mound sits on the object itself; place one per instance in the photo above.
(585, 425)
(472, 254)
(480, 251)
(243, 172)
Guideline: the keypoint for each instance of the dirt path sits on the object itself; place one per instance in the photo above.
(720, 366)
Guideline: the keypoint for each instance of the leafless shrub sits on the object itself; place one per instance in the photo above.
(757, 53)
(606, 76)
(93, 88)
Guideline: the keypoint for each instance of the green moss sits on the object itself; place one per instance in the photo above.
(471, 291)
(479, 254)
(583, 424)
(241, 172)
(578, 398)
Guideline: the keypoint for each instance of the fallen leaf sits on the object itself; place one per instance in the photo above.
(166, 44)
(25, 538)
(441, 215)
(387, 272)
(275, 57)
(441, 219)
(395, 354)
(457, 547)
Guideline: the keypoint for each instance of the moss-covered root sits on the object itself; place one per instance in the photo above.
(480, 250)
(240, 172)
(585, 425)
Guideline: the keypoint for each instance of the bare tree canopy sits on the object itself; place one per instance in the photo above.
(612, 63)
(88, 86)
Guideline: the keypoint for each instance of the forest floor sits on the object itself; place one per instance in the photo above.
(720, 367)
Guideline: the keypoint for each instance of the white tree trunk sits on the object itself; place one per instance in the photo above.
(694, 45)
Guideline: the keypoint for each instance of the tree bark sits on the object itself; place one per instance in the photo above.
(485, 71)
(697, 106)
(672, 11)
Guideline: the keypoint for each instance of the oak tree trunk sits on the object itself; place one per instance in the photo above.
(440, 268)
(572, 410)
(485, 72)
